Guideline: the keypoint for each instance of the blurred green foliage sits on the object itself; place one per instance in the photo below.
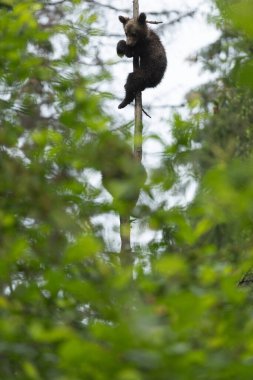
(68, 309)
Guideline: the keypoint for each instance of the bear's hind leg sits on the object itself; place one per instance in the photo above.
(135, 83)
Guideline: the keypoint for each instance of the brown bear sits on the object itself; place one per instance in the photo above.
(144, 43)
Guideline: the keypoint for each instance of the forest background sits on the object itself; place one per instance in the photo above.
(69, 309)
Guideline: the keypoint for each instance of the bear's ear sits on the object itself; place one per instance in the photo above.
(123, 19)
(142, 18)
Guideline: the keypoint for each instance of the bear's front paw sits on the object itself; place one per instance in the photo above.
(121, 48)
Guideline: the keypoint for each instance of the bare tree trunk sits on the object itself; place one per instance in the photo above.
(138, 102)
(126, 255)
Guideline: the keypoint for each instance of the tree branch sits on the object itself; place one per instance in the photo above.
(108, 6)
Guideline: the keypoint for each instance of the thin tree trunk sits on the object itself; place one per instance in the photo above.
(138, 101)
(126, 254)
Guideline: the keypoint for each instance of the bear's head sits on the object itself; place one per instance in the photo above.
(135, 30)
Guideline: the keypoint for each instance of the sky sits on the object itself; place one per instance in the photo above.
(181, 41)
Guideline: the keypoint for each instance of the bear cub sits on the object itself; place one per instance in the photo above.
(144, 43)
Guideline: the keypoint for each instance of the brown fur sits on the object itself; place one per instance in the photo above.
(144, 43)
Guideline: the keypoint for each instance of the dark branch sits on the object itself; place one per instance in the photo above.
(181, 17)
(146, 113)
(154, 22)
